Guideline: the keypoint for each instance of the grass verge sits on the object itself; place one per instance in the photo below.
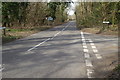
(9, 38)
(97, 30)
(115, 73)
(17, 33)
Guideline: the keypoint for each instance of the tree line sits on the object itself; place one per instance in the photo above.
(31, 14)
(92, 14)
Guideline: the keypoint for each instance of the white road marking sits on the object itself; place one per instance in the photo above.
(81, 33)
(47, 39)
(85, 50)
(94, 47)
(92, 44)
(90, 41)
(1, 69)
(89, 72)
(82, 36)
(83, 39)
(95, 50)
(98, 56)
(38, 44)
(88, 63)
(87, 55)
(84, 46)
(65, 27)
(57, 34)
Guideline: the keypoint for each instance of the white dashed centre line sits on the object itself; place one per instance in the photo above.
(38, 44)
(48, 39)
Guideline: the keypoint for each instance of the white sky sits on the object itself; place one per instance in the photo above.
(71, 9)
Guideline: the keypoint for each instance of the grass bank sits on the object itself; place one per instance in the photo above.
(13, 34)
(115, 73)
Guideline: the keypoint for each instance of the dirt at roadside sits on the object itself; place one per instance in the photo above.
(96, 31)
(22, 33)
(105, 68)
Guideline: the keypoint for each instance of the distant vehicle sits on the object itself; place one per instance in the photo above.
(50, 18)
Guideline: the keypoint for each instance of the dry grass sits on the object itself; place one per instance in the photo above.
(13, 34)
(97, 30)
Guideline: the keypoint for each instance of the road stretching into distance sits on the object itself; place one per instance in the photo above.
(60, 52)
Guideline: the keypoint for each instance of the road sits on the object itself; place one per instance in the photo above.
(60, 52)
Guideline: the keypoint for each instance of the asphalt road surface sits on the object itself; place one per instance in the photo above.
(60, 52)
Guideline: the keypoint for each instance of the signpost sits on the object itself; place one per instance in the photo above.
(106, 22)
(3, 30)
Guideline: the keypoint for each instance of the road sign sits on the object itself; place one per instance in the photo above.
(106, 22)
(3, 30)
(2, 27)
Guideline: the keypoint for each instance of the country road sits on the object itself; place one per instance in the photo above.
(60, 52)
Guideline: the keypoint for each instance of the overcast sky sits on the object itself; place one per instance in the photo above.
(71, 9)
